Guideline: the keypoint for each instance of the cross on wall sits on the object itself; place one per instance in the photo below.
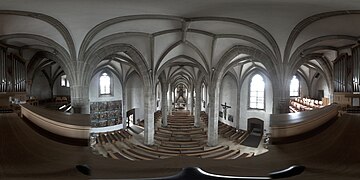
(225, 107)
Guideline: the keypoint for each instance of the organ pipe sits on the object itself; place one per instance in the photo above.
(12, 72)
(356, 66)
(347, 72)
(340, 73)
(2, 70)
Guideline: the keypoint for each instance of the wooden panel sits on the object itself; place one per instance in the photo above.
(71, 126)
(291, 124)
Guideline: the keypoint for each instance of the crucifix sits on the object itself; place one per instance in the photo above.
(225, 107)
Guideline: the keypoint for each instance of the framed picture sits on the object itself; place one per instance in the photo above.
(106, 113)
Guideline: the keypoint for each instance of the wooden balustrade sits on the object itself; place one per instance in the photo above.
(293, 124)
(63, 124)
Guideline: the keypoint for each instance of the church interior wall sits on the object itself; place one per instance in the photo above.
(246, 113)
(228, 96)
(59, 90)
(94, 89)
(320, 84)
(304, 90)
(135, 95)
(40, 87)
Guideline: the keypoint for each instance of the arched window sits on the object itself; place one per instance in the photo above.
(294, 87)
(105, 84)
(257, 92)
(64, 81)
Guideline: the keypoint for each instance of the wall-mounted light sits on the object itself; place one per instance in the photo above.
(213, 69)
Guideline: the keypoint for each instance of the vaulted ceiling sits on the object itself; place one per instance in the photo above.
(183, 38)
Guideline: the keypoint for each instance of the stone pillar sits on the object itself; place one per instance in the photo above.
(191, 100)
(80, 98)
(238, 104)
(173, 89)
(214, 104)
(124, 108)
(281, 97)
(164, 101)
(197, 105)
(149, 109)
(170, 100)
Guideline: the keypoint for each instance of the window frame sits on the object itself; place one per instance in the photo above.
(111, 93)
(298, 90)
(62, 79)
(249, 93)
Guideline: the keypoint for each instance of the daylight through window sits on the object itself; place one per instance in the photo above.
(64, 82)
(294, 87)
(257, 92)
(104, 84)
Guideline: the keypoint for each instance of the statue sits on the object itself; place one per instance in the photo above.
(225, 107)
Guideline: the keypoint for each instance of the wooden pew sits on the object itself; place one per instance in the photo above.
(155, 151)
(135, 155)
(233, 154)
(237, 135)
(217, 154)
(180, 148)
(242, 137)
(101, 150)
(126, 156)
(146, 154)
(206, 151)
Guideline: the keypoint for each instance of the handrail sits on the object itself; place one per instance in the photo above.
(291, 124)
(67, 125)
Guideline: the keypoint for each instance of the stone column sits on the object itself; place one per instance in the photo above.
(214, 103)
(164, 101)
(124, 108)
(281, 96)
(191, 100)
(238, 104)
(149, 109)
(170, 100)
(80, 98)
(173, 89)
(197, 105)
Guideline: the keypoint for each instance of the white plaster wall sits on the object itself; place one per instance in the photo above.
(320, 84)
(228, 94)
(135, 94)
(246, 113)
(40, 87)
(94, 90)
(59, 90)
(304, 90)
